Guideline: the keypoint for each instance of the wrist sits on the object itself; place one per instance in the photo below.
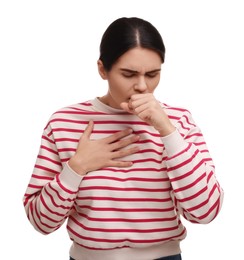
(76, 167)
(166, 130)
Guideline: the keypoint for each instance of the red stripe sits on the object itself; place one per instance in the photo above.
(194, 135)
(177, 109)
(135, 170)
(183, 127)
(41, 177)
(204, 202)
(64, 160)
(129, 209)
(119, 230)
(49, 159)
(73, 130)
(47, 139)
(210, 175)
(125, 179)
(81, 122)
(149, 151)
(150, 141)
(56, 222)
(214, 206)
(61, 150)
(46, 169)
(199, 143)
(58, 195)
(123, 240)
(34, 210)
(100, 122)
(188, 121)
(187, 174)
(124, 199)
(32, 186)
(48, 208)
(66, 208)
(75, 140)
(147, 160)
(34, 219)
(48, 149)
(60, 129)
(123, 189)
(173, 117)
(137, 220)
(191, 184)
(195, 195)
(188, 161)
(81, 112)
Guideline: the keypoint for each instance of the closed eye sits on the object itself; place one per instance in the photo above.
(152, 75)
(129, 75)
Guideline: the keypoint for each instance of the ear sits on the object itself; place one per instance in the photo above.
(102, 71)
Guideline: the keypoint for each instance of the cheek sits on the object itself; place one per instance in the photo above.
(153, 85)
(120, 85)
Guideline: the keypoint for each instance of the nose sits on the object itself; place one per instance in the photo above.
(141, 85)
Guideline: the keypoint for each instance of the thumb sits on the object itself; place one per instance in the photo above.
(88, 129)
(86, 135)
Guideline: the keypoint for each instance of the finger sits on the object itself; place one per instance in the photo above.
(142, 107)
(120, 164)
(119, 135)
(139, 96)
(139, 102)
(124, 152)
(124, 142)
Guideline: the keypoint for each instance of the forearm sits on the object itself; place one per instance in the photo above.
(191, 173)
(48, 206)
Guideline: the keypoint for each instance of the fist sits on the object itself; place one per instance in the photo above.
(148, 109)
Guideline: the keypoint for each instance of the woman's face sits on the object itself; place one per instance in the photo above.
(136, 71)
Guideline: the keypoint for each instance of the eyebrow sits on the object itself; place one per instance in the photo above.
(135, 71)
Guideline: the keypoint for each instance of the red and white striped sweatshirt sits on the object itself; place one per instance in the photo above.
(123, 213)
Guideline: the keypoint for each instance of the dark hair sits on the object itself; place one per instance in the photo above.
(126, 33)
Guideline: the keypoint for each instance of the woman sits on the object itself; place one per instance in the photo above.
(123, 168)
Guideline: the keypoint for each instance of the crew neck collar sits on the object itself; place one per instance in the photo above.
(101, 107)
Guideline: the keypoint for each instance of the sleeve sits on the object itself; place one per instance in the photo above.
(53, 187)
(196, 192)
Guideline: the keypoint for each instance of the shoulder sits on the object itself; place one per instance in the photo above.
(77, 108)
(180, 117)
(83, 106)
(175, 111)
(70, 113)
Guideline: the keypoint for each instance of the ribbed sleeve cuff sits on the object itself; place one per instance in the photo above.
(69, 178)
(174, 143)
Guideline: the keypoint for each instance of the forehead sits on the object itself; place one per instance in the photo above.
(139, 59)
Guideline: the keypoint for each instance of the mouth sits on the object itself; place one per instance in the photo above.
(129, 104)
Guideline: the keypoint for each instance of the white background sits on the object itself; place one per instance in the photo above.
(48, 54)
